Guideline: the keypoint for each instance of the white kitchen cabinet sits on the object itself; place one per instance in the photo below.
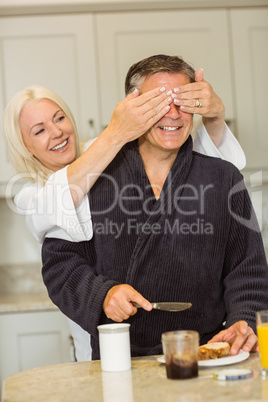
(85, 57)
(200, 37)
(55, 51)
(33, 339)
(250, 53)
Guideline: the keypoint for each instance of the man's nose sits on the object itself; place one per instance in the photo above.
(174, 112)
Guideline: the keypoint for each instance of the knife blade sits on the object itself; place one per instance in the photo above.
(168, 306)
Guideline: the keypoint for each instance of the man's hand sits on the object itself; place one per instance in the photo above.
(211, 107)
(239, 336)
(117, 304)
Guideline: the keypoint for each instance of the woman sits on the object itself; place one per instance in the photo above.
(43, 141)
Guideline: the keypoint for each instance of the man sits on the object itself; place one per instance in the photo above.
(169, 225)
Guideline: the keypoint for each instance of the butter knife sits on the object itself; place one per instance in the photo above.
(168, 306)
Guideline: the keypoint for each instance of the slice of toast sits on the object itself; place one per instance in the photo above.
(213, 350)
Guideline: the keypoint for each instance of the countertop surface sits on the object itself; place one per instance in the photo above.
(25, 302)
(22, 289)
(146, 381)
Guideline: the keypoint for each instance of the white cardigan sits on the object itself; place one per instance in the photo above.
(50, 212)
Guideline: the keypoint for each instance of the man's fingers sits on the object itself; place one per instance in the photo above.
(118, 302)
(215, 338)
(116, 317)
(141, 301)
(245, 342)
(226, 335)
(237, 344)
(243, 327)
(220, 337)
(251, 343)
(240, 336)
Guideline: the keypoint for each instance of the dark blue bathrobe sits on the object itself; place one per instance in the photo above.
(199, 243)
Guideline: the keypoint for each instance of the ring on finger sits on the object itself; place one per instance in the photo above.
(198, 103)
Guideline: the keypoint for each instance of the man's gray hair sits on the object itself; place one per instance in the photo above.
(153, 65)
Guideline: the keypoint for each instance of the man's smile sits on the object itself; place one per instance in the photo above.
(167, 128)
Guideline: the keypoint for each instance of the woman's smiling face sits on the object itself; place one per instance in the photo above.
(48, 134)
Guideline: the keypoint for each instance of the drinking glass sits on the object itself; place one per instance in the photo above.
(262, 331)
(181, 354)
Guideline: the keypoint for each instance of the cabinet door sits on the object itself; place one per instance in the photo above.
(199, 37)
(56, 52)
(250, 50)
(31, 340)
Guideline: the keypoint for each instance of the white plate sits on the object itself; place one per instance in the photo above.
(223, 361)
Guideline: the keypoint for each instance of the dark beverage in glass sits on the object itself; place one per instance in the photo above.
(180, 369)
(181, 354)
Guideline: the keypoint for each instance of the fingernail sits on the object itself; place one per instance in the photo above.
(246, 349)
(135, 91)
(182, 107)
(170, 99)
(177, 101)
(169, 92)
(174, 96)
(162, 89)
(167, 107)
(176, 90)
(233, 351)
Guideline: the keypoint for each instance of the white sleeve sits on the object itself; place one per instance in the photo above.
(228, 149)
(50, 211)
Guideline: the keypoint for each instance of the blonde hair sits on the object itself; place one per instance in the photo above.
(23, 161)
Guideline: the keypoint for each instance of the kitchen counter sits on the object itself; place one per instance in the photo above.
(25, 302)
(33, 332)
(22, 289)
(146, 381)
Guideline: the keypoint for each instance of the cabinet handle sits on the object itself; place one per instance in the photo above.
(91, 124)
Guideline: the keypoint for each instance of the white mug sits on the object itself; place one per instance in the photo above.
(114, 347)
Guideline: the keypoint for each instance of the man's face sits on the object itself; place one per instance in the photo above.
(170, 132)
